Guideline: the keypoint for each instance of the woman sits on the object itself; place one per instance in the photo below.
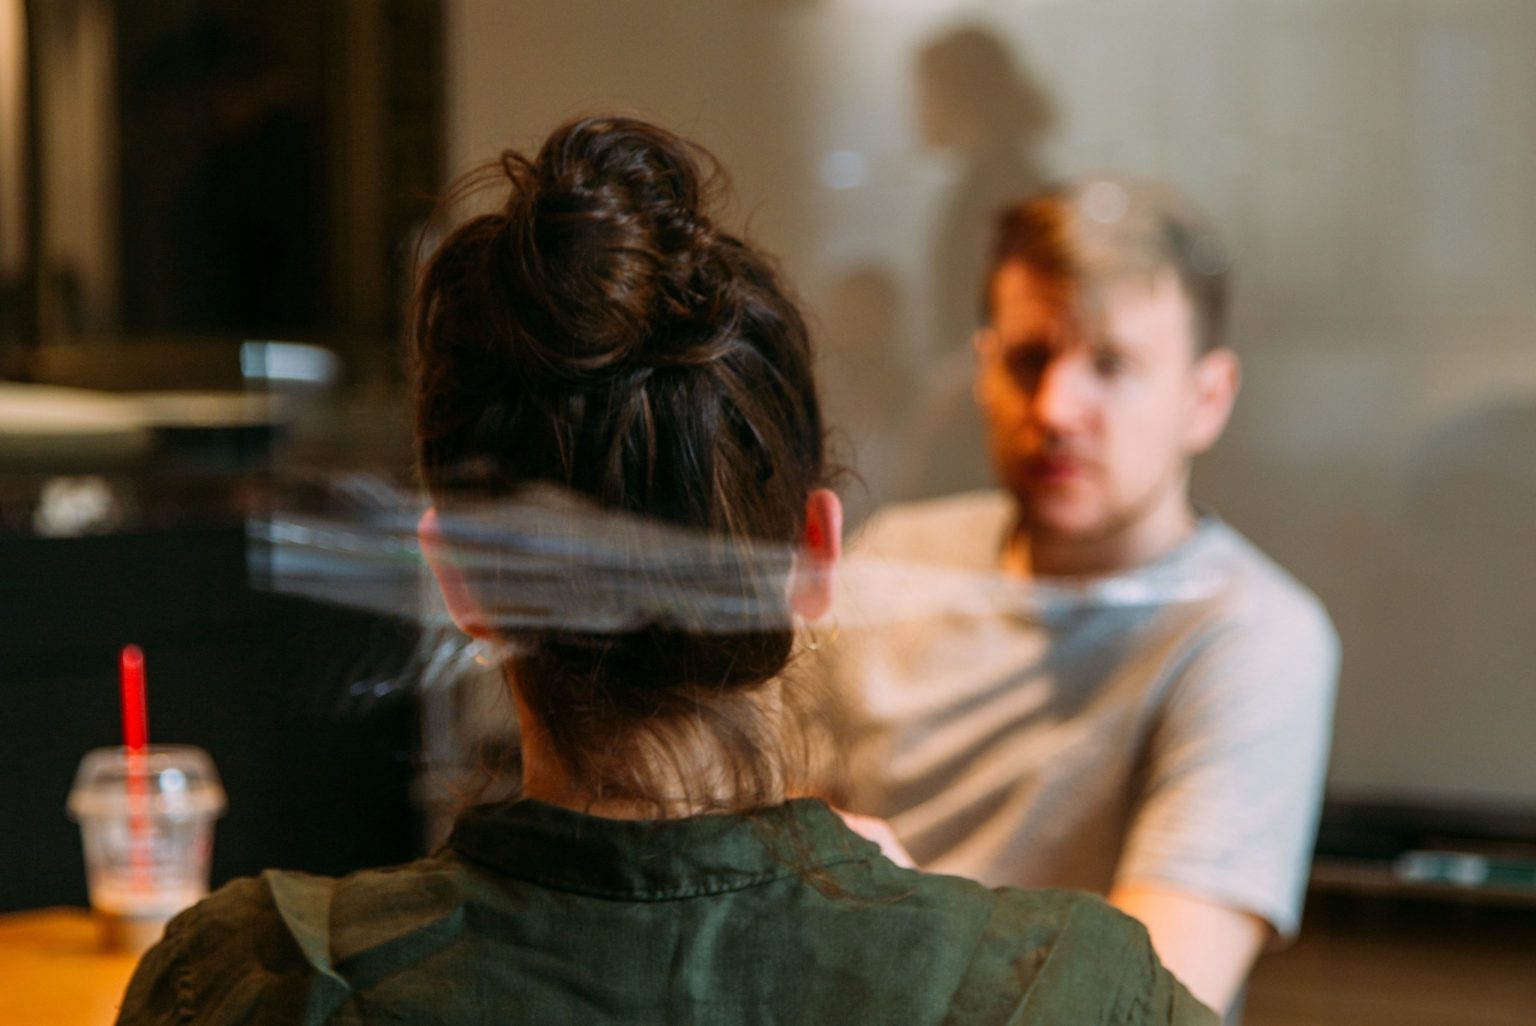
(609, 385)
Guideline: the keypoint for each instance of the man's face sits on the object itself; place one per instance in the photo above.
(1094, 403)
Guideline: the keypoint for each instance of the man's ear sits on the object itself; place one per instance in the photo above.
(450, 580)
(1218, 377)
(983, 345)
(811, 586)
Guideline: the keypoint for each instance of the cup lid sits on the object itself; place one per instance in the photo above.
(177, 780)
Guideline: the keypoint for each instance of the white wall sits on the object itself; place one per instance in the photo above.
(1373, 164)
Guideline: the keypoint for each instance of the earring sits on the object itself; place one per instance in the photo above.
(488, 653)
(814, 643)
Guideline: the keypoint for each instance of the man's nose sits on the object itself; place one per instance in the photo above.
(1063, 394)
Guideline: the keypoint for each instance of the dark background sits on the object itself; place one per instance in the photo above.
(270, 166)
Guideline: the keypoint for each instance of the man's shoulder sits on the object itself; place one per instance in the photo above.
(964, 528)
(1256, 590)
(1260, 637)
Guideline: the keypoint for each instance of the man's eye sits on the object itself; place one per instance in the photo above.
(1108, 363)
(1028, 362)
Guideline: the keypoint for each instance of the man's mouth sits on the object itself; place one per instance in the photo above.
(1056, 469)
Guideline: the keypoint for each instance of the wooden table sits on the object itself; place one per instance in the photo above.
(54, 973)
(1364, 959)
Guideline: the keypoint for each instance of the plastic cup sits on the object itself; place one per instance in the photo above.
(146, 820)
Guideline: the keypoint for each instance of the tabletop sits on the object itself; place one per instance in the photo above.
(53, 971)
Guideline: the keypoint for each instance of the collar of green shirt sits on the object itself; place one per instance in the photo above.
(655, 859)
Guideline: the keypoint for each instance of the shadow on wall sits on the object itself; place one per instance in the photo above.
(1471, 503)
(868, 382)
(977, 101)
(1473, 484)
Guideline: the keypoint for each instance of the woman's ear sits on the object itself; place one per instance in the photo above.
(812, 582)
(461, 604)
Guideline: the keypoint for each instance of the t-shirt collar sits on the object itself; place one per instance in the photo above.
(1185, 573)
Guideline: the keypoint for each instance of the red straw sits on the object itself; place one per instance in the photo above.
(135, 713)
(136, 740)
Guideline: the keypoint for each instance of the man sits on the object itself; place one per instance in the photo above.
(1142, 708)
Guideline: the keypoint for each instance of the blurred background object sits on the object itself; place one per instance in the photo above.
(207, 216)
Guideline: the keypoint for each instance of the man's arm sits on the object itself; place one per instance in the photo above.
(872, 828)
(1208, 946)
(1216, 858)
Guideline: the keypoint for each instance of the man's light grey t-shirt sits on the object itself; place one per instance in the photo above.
(1168, 725)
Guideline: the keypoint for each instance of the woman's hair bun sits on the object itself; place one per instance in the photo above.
(607, 252)
(598, 334)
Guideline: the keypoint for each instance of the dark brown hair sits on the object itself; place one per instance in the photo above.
(1098, 226)
(600, 333)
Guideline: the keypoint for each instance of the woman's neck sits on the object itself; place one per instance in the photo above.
(685, 779)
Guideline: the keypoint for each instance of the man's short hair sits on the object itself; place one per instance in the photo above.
(1088, 230)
